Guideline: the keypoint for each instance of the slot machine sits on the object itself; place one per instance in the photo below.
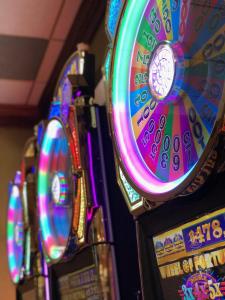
(80, 245)
(26, 264)
(165, 74)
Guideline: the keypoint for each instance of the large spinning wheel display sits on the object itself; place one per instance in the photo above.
(62, 180)
(70, 185)
(166, 105)
(16, 236)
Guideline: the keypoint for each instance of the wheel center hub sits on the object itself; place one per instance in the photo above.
(59, 189)
(161, 71)
(19, 233)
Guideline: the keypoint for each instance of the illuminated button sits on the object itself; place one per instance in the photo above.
(161, 71)
(59, 189)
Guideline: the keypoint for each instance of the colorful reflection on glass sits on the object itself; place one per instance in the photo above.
(163, 119)
(15, 234)
(63, 90)
(54, 185)
(107, 65)
(114, 8)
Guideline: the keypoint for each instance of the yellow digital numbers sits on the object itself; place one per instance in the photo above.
(205, 232)
(217, 230)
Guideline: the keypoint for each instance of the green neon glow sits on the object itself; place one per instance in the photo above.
(125, 45)
(10, 229)
(107, 65)
(42, 184)
(56, 252)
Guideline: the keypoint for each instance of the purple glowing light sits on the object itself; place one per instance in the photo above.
(91, 170)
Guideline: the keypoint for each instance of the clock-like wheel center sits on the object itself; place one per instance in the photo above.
(161, 71)
(59, 189)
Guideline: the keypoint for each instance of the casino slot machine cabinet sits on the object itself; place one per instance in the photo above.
(26, 265)
(165, 73)
(80, 245)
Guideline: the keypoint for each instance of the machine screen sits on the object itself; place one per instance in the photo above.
(82, 284)
(191, 259)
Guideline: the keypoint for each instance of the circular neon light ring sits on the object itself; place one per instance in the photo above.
(161, 134)
(15, 234)
(54, 196)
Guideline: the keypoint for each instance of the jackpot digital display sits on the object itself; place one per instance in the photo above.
(191, 259)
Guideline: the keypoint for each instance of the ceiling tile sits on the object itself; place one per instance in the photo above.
(66, 18)
(29, 17)
(49, 60)
(20, 57)
(14, 91)
(36, 93)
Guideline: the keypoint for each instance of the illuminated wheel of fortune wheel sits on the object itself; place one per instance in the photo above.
(55, 190)
(15, 231)
(62, 194)
(167, 93)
